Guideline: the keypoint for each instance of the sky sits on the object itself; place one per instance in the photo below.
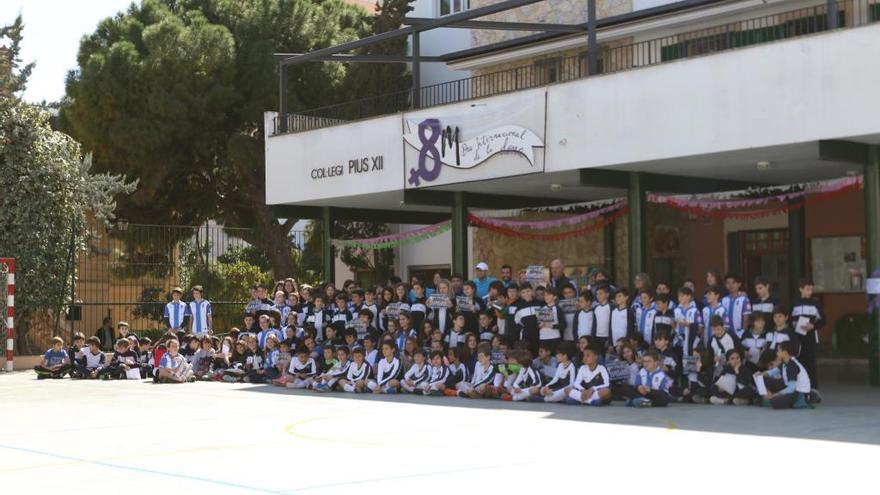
(52, 30)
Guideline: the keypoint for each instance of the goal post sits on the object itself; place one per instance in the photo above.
(7, 265)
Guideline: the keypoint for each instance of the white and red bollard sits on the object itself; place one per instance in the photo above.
(10, 309)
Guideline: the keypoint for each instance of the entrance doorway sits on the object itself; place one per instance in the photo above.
(763, 253)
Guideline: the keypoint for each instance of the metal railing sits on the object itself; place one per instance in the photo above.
(759, 30)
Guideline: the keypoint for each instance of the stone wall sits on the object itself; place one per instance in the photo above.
(552, 11)
(579, 254)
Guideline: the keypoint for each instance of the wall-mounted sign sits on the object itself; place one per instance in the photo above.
(440, 144)
(484, 139)
(333, 162)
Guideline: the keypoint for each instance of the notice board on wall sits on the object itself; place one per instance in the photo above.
(838, 263)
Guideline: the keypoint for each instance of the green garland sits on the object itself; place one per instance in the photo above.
(359, 244)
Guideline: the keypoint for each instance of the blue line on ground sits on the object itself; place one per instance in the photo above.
(144, 470)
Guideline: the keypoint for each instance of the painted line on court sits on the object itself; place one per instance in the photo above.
(404, 477)
(144, 470)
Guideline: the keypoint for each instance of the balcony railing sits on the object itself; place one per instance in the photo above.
(612, 58)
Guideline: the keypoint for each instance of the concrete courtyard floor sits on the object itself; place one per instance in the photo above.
(136, 437)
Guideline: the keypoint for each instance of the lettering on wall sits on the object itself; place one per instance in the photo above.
(424, 136)
(363, 165)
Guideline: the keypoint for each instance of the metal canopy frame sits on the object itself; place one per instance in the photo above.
(413, 26)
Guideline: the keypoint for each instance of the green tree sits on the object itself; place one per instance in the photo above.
(13, 75)
(46, 190)
(172, 92)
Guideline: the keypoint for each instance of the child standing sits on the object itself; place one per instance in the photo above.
(176, 312)
(584, 323)
(526, 319)
(807, 318)
(623, 320)
(602, 316)
(713, 308)
(737, 305)
(550, 332)
(764, 302)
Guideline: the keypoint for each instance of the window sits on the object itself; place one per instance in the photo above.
(453, 6)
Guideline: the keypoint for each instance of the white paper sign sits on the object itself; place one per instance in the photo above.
(618, 370)
(873, 286)
(727, 383)
(535, 274)
(437, 301)
(801, 326)
(133, 374)
(759, 384)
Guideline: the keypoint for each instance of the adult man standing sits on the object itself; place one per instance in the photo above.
(105, 333)
(506, 275)
(558, 280)
(482, 280)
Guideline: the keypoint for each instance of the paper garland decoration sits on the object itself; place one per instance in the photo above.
(710, 209)
(480, 222)
(711, 202)
(553, 223)
(394, 240)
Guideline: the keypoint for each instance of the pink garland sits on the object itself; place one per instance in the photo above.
(554, 223)
(729, 204)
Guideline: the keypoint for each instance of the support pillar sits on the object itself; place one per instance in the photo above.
(797, 241)
(636, 233)
(282, 99)
(592, 44)
(609, 249)
(872, 255)
(459, 235)
(328, 254)
(416, 71)
(832, 13)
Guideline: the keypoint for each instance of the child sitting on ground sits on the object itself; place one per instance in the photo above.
(328, 380)
(92, 360)
(388, 371)
(794, 376)
(482, 383)
(525, 381)
(173, 367)
(55, 362)
(563, 378)
(439, 373)
(358, 372)
(651, 388)
(303, 370)
(592, 385)
(417, 374)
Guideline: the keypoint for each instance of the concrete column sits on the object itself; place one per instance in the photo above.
(328, 255)
(797, 241)
(459, 235)
(636, 234)
(872, 257)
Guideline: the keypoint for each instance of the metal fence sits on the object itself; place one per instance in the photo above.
(754, 31)
(127, 273)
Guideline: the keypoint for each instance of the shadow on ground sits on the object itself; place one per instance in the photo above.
(848, 413)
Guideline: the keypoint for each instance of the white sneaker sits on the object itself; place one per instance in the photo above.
(718, 401)
(737, 401)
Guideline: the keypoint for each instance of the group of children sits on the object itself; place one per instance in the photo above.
(550, 344)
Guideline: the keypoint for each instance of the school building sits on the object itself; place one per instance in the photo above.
(664, 104)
